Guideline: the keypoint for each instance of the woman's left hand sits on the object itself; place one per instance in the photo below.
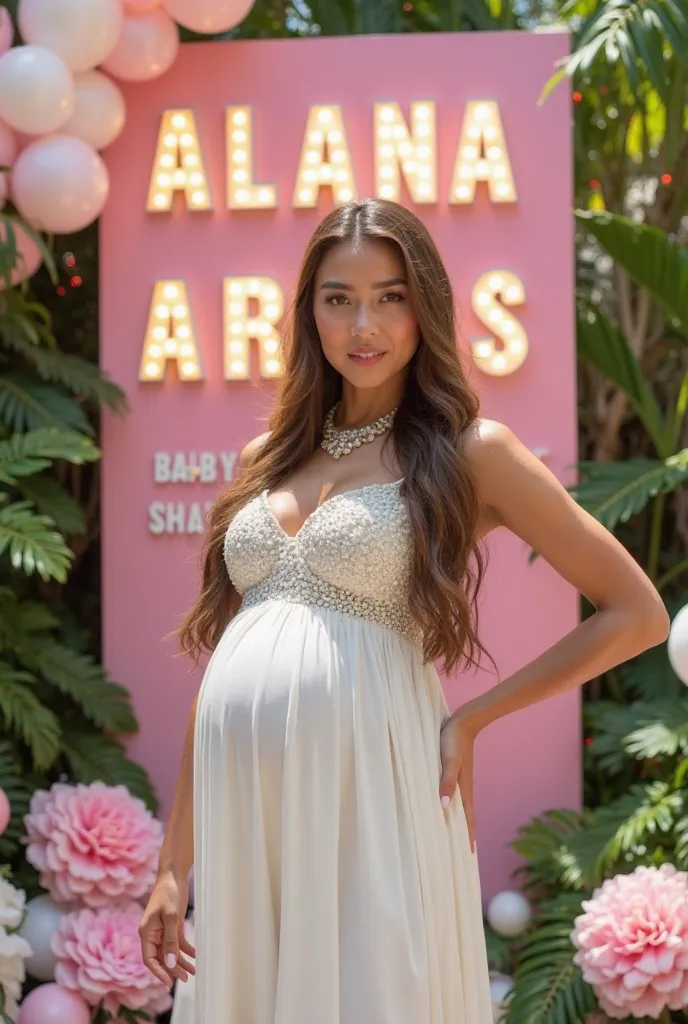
(457, 740)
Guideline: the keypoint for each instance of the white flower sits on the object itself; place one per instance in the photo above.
(13, 952)
(11, 905)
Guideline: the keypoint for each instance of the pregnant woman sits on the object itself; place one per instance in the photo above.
(326, 793)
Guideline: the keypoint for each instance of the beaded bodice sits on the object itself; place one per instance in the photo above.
(351, 555)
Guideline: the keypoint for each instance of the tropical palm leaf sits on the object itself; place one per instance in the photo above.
(78, 676)
(25, 404)
(643, 730)
(93, 757)
(25, 454)
(602, 343)
(77, 375)
(33, 543)
(636, 819)
(648, 254)
(612, 492)
(23, 618)
(548, 986)
(662, 730)
(27, 718)
(542, 844)
(610, 724)
(634, 34)
(50, 498)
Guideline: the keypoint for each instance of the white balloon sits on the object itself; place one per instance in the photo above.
(678, 645)
(81, 32)
(36, 90)
(508, 913)
(59, 184)
(500, 986)
(43, 916)
(99, 110)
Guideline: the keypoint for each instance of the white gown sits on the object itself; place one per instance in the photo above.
(331, 887)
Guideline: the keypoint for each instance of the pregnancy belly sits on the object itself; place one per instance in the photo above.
(283, 674)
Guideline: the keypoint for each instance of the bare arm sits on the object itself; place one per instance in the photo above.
(518, 492)
(522, 495)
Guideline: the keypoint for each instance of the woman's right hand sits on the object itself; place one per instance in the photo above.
(164, 947)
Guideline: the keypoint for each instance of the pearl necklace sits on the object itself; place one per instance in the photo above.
(342, 442)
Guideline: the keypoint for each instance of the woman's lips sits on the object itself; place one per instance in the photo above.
(363, 358)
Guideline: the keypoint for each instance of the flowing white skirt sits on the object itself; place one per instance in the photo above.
(331, 887)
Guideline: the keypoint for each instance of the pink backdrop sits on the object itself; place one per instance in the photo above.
(531, 761)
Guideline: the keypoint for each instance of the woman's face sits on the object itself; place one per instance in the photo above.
(367, 326)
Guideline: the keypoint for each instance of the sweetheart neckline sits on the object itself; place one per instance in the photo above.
(342, 494)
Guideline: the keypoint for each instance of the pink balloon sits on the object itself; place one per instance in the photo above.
(208, 16)
(59, 184)
(140, 6)
(6, 30)
(5, 811)
(147, 47)
(28, 262)
(51, 1004)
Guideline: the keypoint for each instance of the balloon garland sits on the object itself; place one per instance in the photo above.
(60, 104)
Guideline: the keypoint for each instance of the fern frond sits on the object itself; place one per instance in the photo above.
(26, 717)
(661, 731)
(32, 542)
(548, 986)
(77, 375)
(20, 619)
(24, 454)
(635, 820)
(50, 498)
(18, 793)
(645, 729)
(26, 404)
(94, 757)
(542, 843)
(612, 492)
(79, 677)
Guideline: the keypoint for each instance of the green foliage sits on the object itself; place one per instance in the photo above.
(60, 716)
(613, 492)
(602, 343)
(549, 988)
(651, 258)
(58, 702)
(632, 34)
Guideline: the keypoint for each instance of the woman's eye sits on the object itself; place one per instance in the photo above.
(336, 300)
(393, 297)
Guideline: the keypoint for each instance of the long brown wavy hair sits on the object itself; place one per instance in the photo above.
(437, 409)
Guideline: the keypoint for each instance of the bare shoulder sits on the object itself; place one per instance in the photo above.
(492, 451)
(249, 452)
(486, 439)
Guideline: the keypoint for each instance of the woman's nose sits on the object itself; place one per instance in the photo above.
(364, 324)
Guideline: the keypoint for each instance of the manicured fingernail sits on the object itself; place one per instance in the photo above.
(445, 801)
(170, 960)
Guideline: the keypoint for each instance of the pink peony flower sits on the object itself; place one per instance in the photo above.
(93, 845)
(99, 956)
(632, 942)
